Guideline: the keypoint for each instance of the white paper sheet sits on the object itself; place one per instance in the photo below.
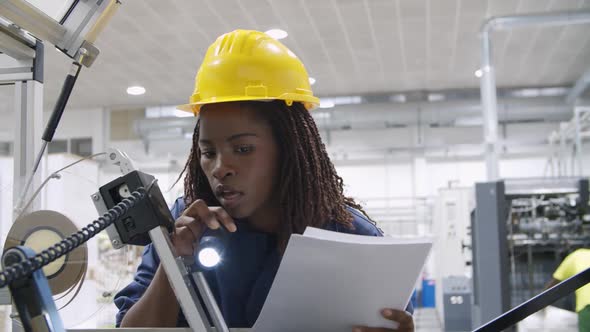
(331, 281)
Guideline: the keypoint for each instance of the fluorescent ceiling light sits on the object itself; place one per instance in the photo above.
(343, 100)
(277, 33)
(478, 73)
(165, 112)
(400, 98)
(321, 115)
(136, 90)
(311, 80)
(436, 97)
(540, 92)
(469, 121)
(527, 93)
(182, 114)
(326, 104)
(558, 91)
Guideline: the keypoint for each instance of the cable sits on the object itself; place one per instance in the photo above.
(54, 175)
(58, 111)
(26, 268)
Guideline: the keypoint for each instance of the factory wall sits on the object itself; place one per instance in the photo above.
(377, 165)
(396, 173)
(386, 169)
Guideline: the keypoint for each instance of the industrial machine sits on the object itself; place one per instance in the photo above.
(133, 213)
(521, 230)
(457, 303)
(452, 256)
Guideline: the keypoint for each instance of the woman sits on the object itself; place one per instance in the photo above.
(258, 167)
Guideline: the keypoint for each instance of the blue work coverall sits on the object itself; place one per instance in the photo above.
(242, 282)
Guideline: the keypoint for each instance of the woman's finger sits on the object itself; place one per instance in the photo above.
(381, 329)
(190, 223)
(371, 329)
(404, 319)
(183, 240)
(224, 218)
(200, 211)
(191, 210)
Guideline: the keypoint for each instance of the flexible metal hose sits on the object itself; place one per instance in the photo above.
(26, 268)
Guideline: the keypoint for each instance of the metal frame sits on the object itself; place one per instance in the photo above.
(183, 278)
(488, 79)
(179, 278)
(28, 126)
(79, 29)
(21, 64)
(570, 138)
(27, 77)
(183, 275)
(582, 130)
(491, 246)
(491, 293)
(546, 298)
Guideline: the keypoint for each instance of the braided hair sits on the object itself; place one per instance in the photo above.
(309, 190)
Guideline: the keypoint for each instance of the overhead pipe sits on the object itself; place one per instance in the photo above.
(578, 89)
(488, 79)
(395, 115)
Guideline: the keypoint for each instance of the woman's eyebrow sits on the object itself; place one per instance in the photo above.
(229, 139)
(236, 136)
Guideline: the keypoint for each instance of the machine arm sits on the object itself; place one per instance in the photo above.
(537, 303)
(28, 285)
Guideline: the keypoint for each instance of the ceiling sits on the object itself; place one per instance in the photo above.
(351, 47)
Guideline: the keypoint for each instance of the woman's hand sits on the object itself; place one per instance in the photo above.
(404, 319)
(189, 227)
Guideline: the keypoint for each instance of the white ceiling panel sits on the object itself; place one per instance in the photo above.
(499, 8)
(531, 6)
(412, 9)
(476, 8)
(349, 46)
(443, 8)
(567, 4)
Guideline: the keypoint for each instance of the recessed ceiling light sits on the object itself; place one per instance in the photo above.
(478, 73)
(136, 90)
(277, 33)
(311, 80)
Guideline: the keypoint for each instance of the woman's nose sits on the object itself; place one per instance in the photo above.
(222, 169)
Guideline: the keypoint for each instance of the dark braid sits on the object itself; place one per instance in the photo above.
(310, 192)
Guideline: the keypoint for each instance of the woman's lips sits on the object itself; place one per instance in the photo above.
(230, 198)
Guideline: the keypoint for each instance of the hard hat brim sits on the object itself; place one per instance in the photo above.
(310, 102)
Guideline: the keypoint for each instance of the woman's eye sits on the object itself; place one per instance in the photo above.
(244, 149)
(208, 154)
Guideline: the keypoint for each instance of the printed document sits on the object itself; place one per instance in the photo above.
(330, 281)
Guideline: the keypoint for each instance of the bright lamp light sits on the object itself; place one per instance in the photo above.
(277, 33)
(209, 257)
(135, 90)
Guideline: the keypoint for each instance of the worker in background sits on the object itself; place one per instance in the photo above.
(257, 166)
(573, 264)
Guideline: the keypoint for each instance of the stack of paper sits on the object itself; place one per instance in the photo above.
(331, 281)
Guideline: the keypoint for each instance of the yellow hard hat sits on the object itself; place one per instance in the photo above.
(250, 65)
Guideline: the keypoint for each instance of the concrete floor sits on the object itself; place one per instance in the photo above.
(551, 319)
(426, 320)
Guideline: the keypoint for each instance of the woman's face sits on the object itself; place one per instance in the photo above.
(239, 156)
